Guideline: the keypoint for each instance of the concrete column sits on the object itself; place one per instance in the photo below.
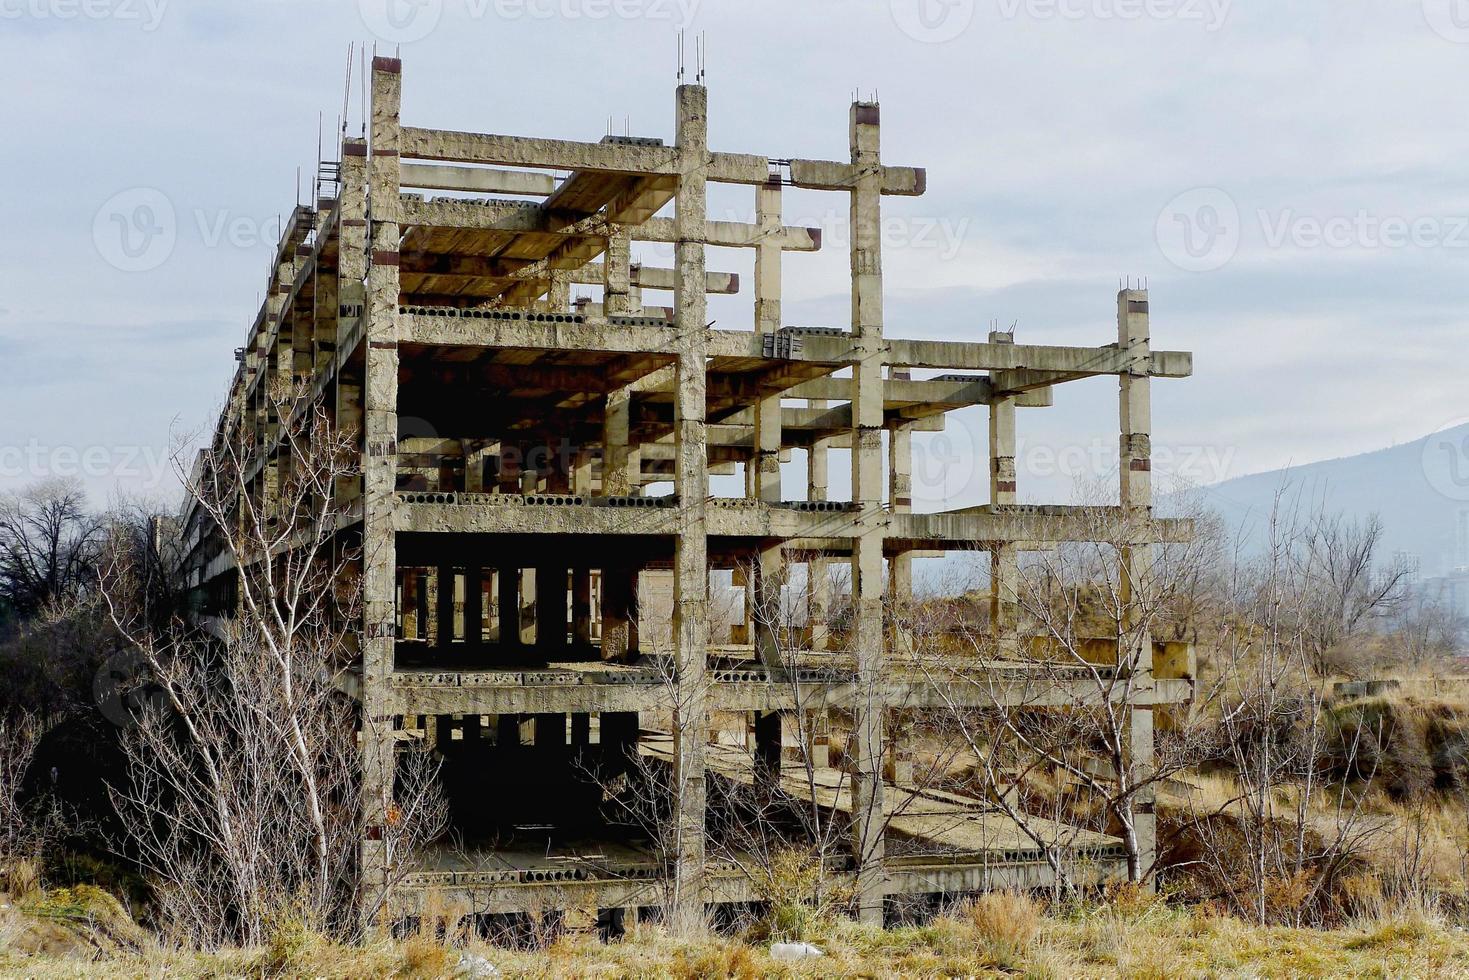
(691, 476)
(444, 606)
(634, 640)
(621, 464)
(560, 471)
(764, 481)
(617, 614)
(899, 758)
(528, 607)
(379, 465)
(474, 465)
(352, 271)
(622, 467)
(474, 608)
(818, 586)
(900, 501)
(617, 275)
(581, 472)
(1004, 557)
(326, 302)
(558, 296)
(1136, 498)
(867, 547)
(581, 607)
(816, 738)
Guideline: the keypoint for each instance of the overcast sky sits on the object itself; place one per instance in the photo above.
(1288, 175)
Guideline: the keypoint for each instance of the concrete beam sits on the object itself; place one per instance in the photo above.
(525, 151)
(653, 277)
(564, 691)
(477, 180)
(520, 217)
(734, 234)
(595, 334)
(829, 175)
(1074, 362)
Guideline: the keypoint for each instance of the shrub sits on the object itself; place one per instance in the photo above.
(1007, 924)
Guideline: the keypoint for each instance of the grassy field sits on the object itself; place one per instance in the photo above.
(999, 935)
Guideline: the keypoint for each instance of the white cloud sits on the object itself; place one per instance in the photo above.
(1051, 146)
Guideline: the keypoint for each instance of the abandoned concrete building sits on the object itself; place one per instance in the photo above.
(535, 474)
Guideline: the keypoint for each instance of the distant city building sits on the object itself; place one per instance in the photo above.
(1410, 563)
(1452, 590)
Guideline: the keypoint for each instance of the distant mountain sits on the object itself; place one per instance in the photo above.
(1420, 490)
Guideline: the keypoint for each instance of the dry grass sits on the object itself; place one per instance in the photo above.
(1131, 935)
(1007, 923)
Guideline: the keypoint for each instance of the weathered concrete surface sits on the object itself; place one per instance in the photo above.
(510, 440)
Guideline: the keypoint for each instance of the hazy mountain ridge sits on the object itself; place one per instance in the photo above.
(1419, 490)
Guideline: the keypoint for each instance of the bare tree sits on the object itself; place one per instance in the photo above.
(241, 795)
(1276, 848)
(1055, 705)
(48, 546)
(25, 825)
(1425, 632)
(1348, 588)
(780, 818)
